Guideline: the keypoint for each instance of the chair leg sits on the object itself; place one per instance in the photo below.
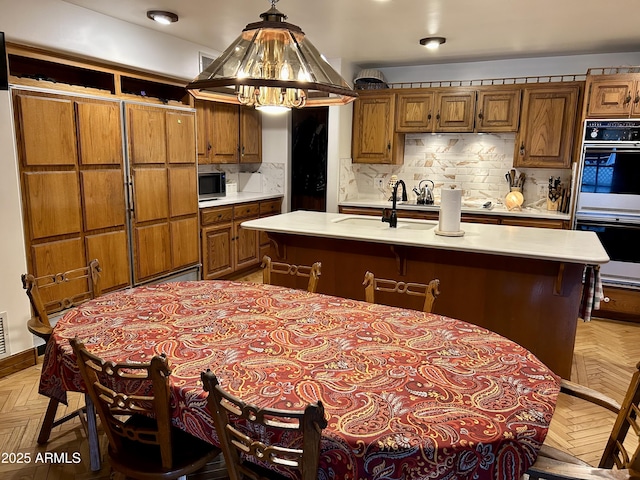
(47, 423)
(92, 434)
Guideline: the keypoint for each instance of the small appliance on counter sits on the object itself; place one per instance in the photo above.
(211, 185)
(425, 194)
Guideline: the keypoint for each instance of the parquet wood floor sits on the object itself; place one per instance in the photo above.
(606, 353)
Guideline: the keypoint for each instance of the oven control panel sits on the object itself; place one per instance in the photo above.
(612, 131)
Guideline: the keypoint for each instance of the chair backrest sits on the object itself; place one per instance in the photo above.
(270, 267)
(126, 396)
(615, 453)
(237, 442)
(56, 292)
(429, 291)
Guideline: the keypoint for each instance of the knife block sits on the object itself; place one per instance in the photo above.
(553, 204)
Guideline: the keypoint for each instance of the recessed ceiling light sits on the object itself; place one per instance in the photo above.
(432, 42)
(160, 16)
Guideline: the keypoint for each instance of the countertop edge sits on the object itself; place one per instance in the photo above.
(524, 242)
(240, 197)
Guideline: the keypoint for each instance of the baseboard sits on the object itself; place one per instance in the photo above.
(18, 362)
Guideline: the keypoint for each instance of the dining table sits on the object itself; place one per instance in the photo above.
(407, 394)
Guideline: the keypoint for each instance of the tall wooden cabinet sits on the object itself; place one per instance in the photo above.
(228, 133)
(164, 211)
(547, 125)
(81, 202)
(72, 175)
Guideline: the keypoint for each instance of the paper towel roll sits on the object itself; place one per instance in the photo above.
(450, 209)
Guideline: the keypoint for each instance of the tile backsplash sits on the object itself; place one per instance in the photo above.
(476, 163)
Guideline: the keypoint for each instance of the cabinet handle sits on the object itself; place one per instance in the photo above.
(606, 299)
(389, 146)
(209, 147)
(242, 151)
(627, 98)
(429, 116)
(480, 115)
(522, 149)
(132, 201)
(438, 117)
(637, 98)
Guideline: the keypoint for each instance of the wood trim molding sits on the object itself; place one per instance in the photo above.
(18, 362)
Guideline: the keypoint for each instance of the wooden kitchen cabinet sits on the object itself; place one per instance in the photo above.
(228, 133)
(455, 109)
(498, 109)
(226, 246)
(458, 109)
(613, 96)
(375, 139)
(72, 184)
(164, 216)
(547, 125)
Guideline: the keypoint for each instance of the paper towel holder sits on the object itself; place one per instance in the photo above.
(437, 231)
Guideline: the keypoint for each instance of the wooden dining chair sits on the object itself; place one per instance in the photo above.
(429, 291)
(270, 267)
(133, 402)
(51, 294)
(244, 447)
(555, 464)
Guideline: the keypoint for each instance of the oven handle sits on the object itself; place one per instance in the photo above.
(600, 223)
(610, 149)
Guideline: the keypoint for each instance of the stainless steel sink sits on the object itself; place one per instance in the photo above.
(377, 224)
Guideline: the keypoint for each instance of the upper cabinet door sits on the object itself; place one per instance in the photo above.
(146, 134)
(455, 109)
(415, 111)
(548, 126)
(224, 133)
(47, 130)
(181, 137)
(374, 139)
(612, 96)
(498, 110)
(250, 135)
(99, 132)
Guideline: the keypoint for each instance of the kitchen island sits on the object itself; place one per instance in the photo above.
(523, 283)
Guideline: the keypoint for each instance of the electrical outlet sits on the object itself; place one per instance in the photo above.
(542, 191)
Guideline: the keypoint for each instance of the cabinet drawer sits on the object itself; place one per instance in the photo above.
(246, 210)
(270, 207)
(210, 216)
(619, 303)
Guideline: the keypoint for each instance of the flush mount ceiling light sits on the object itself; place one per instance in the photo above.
(432, 43)
(162, 17)
(273, 67)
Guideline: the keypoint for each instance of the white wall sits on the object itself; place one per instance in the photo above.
(12, 297)
(525, 67)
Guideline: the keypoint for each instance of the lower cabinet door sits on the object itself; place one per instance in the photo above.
(217, 254)
(247, 245)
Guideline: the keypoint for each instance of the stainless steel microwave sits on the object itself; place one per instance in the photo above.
(211, 185)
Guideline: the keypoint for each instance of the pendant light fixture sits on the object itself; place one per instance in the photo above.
(272, 66)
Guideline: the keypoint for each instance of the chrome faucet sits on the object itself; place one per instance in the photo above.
(392, 219)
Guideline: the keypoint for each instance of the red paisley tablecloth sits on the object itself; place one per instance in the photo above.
(408, 395)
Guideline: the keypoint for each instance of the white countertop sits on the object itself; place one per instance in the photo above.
(474, 207)
(571, 246)
(239, 197)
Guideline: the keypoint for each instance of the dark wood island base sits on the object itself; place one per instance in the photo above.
(533, 302)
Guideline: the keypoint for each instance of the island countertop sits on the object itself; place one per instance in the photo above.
(570, 246)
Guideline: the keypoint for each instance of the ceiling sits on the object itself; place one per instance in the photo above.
(379, 33)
